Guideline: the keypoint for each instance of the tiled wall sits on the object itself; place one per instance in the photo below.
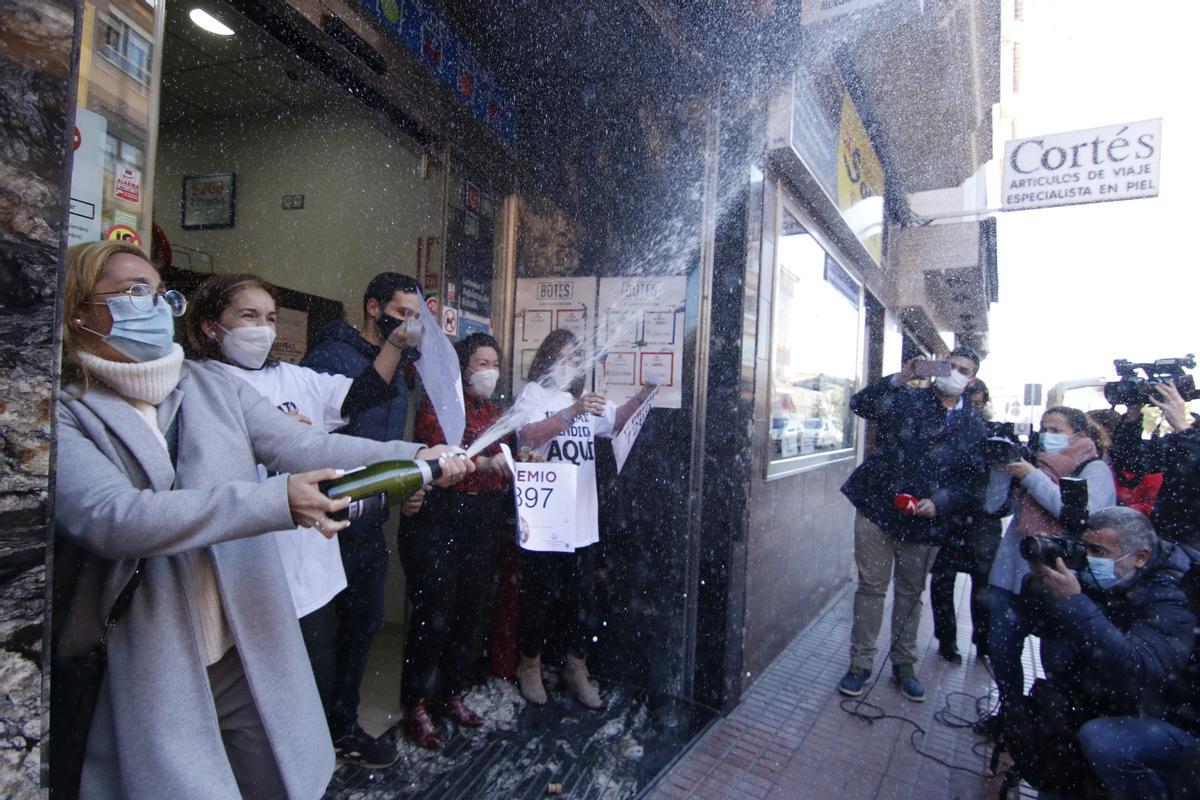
(36, 98)
(799, 554)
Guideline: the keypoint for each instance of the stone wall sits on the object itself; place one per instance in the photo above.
(37, 66)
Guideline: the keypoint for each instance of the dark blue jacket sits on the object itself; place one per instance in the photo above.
(917, 452)
(341, 350)
(1131, 644)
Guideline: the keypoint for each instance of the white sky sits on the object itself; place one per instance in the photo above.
(1082, 285)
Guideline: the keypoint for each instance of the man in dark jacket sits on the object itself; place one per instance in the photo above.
(926, 467)
(1176, 514)
(970, 547)
(1116, 641)
(391, 300)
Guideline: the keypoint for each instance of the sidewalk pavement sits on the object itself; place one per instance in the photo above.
(789, 737)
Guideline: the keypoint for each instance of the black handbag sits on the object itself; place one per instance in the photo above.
(74, 689)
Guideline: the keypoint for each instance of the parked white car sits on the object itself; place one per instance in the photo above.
(820, 434)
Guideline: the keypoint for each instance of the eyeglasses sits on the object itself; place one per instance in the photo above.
(144, 298)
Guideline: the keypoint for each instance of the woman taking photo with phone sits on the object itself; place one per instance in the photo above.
(207, 691)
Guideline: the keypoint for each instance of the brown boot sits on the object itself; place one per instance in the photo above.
(529, 678)
(575, 676)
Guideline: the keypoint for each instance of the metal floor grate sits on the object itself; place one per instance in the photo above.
(611, 754)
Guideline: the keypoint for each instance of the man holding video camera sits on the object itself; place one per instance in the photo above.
(1117, 633)
(1176, 514)
(926, 467)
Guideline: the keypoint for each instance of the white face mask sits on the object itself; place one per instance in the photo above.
(951, 385)
(483, 383)
(561, 376)
(247, 345)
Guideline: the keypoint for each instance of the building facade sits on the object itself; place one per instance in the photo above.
(781, 195)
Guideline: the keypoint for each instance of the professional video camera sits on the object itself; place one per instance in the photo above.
(1003, 446)
(1044, 549)
(1134, 390)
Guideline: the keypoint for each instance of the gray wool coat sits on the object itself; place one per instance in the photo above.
(155, 730)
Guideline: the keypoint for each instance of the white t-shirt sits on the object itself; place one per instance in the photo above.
(576, 445)
(312, 563)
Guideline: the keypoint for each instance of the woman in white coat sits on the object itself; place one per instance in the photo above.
(208, 692)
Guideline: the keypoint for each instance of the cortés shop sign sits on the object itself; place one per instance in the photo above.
(1119, 162)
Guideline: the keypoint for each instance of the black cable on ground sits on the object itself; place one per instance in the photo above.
(874, 713)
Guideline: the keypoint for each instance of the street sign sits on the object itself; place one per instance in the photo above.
(1033, 394)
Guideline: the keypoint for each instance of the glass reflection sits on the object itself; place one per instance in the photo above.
(814, 352)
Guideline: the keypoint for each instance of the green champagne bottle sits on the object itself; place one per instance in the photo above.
(377, 486)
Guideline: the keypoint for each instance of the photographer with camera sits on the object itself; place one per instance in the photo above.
(1117, 632)
(1176, 514)
(1064, 450)
(926, 467)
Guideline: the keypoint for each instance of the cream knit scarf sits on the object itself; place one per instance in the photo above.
(147, 381)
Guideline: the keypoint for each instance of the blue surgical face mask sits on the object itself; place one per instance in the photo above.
(1102, 572)
(1053, 442)
(140, 335)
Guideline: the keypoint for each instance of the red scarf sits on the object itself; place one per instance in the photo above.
(1031, 517)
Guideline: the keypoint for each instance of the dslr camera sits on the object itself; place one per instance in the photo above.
(1134, 389)
(1074, 517)
(1045, 549)
(1003, 446)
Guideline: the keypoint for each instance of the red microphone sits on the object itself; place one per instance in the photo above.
(905, 503)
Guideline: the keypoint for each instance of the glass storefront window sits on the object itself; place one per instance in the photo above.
(814, 353)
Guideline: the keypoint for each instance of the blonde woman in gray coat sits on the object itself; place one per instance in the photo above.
(208, 693)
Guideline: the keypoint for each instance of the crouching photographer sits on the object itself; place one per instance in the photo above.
(1117, 635)
(1176, 513)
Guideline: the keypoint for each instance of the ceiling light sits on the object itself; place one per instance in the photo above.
(202, 19)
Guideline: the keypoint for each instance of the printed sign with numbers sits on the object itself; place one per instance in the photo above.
(545, 498)
(642, 319)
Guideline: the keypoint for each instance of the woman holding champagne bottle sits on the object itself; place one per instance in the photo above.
(559, 418)
(158, 492)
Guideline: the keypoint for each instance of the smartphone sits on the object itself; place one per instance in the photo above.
(932, 369)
